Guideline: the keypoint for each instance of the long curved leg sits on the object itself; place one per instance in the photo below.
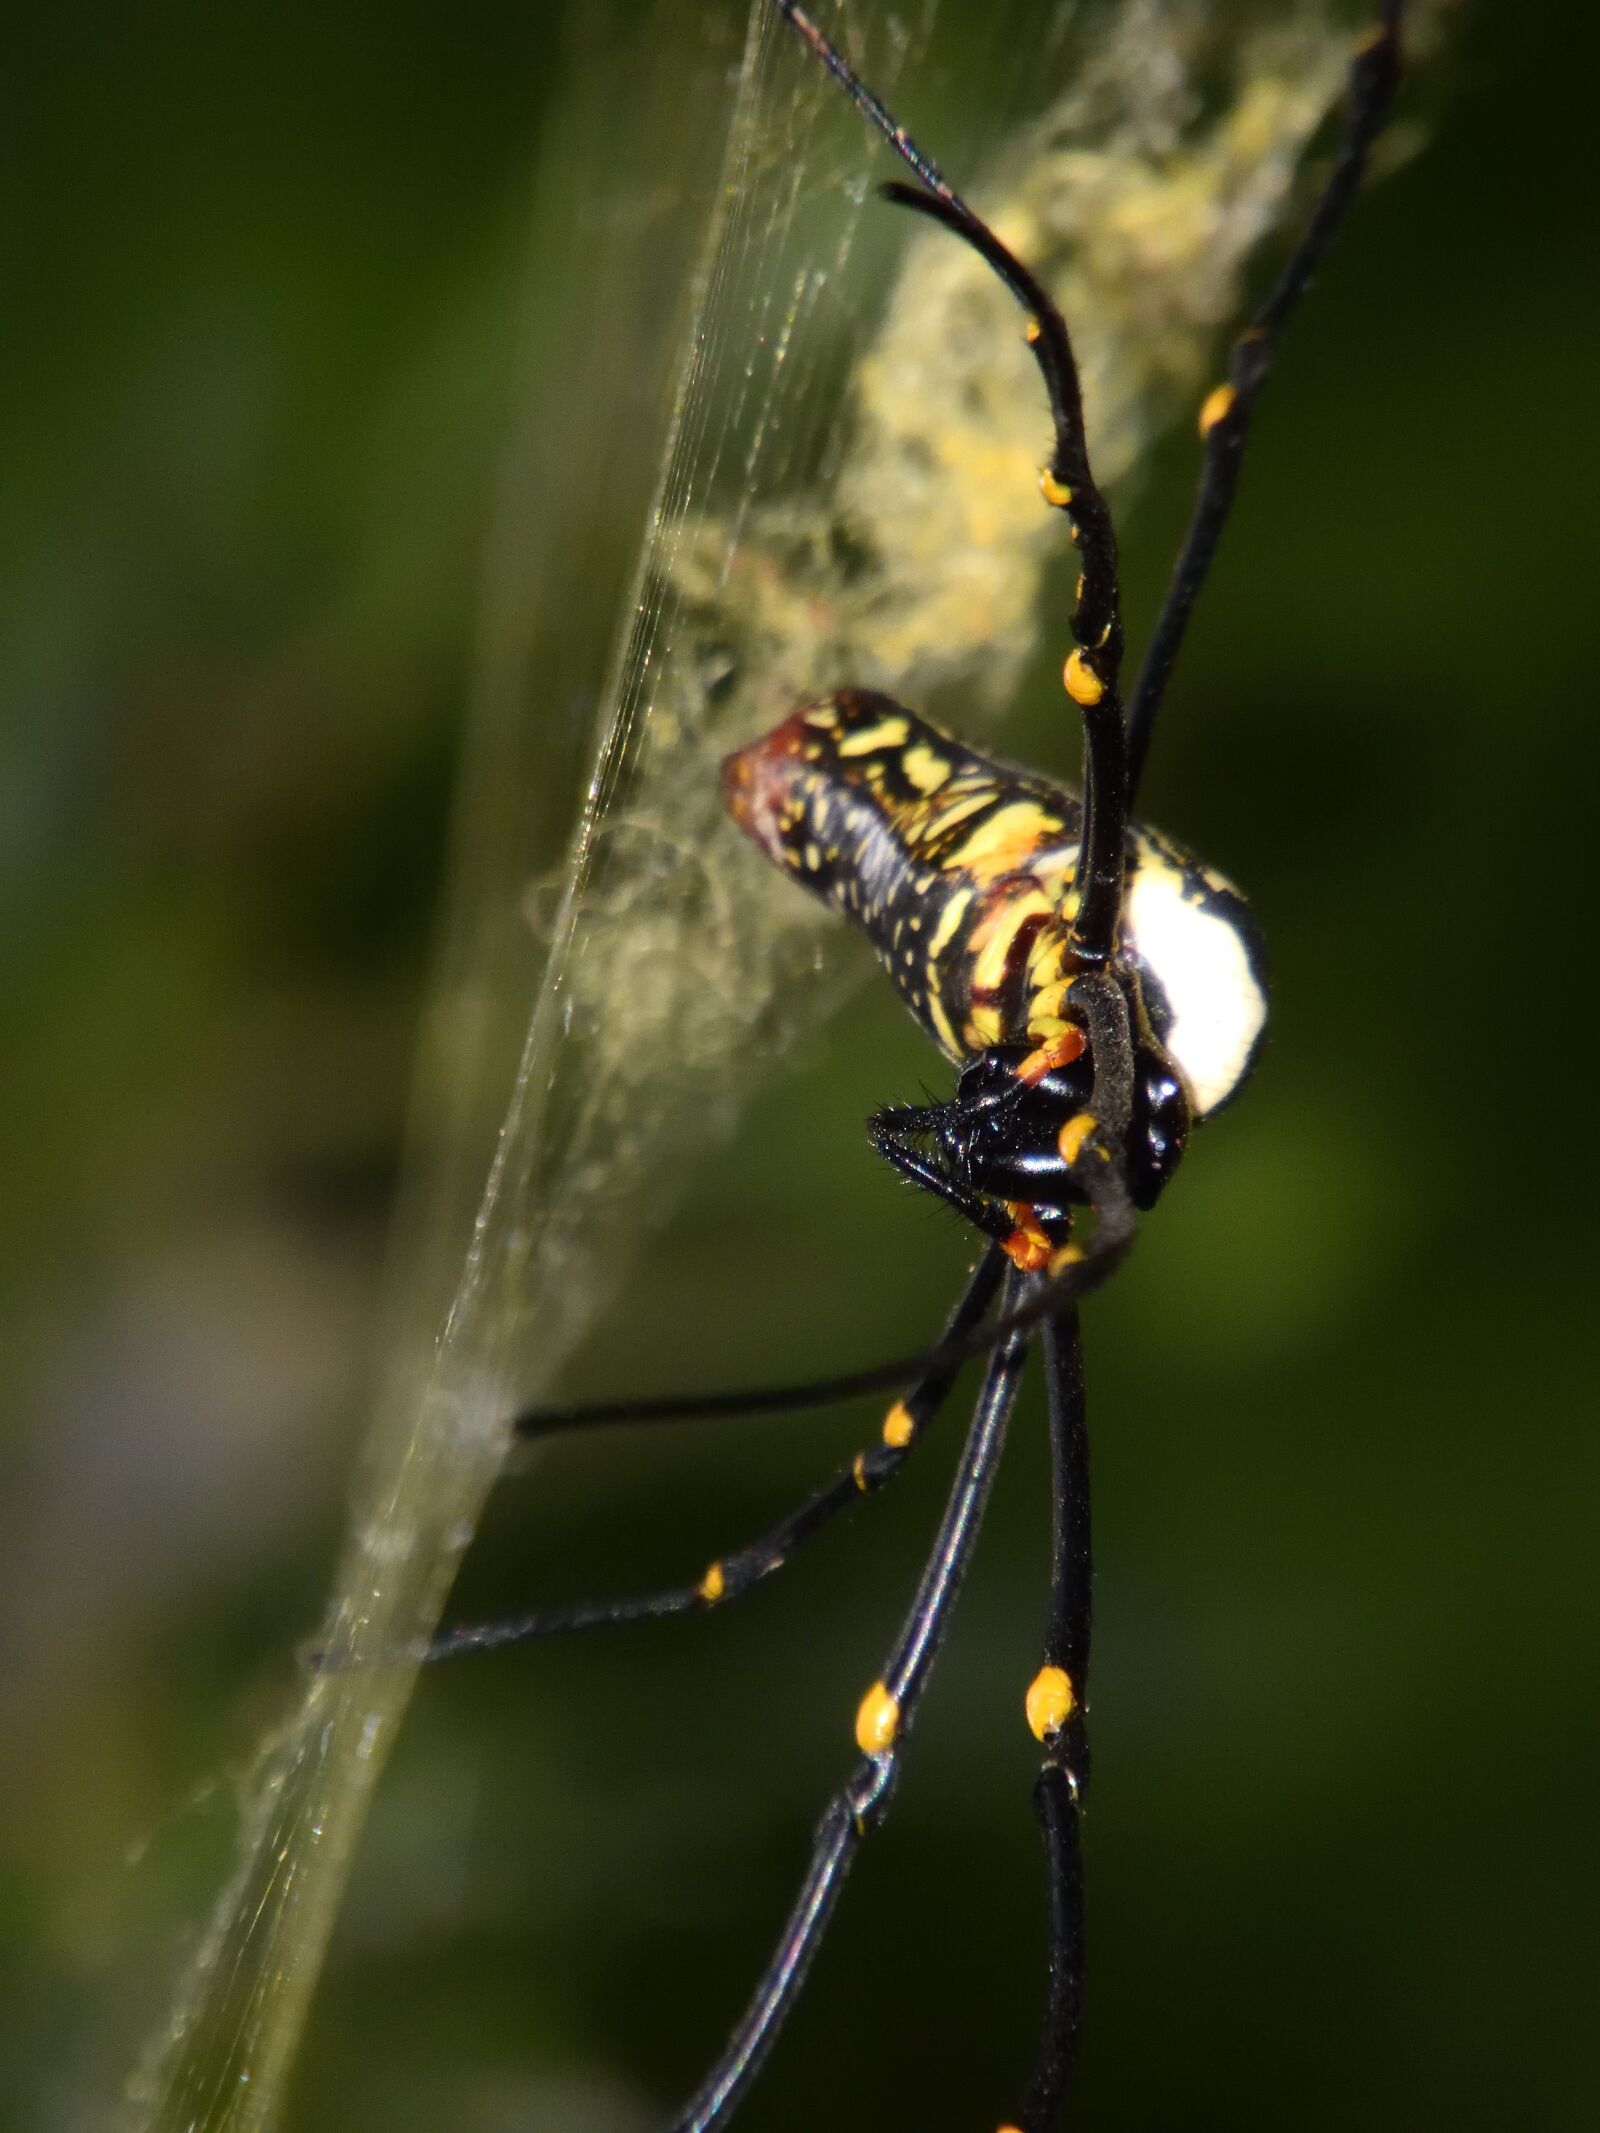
(1225, 417)
(1093, 670)
(1075, 1274)
(882, 1724)
(735, 1574)
(1057, 1705)
(1072, 1273)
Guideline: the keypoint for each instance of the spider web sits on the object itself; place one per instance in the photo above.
(846, 494)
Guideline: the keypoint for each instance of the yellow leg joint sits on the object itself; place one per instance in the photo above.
(1083, 684)
(1053, 491)
(898, 1426)
(1070, 1140)
(1069, 1255)
(1027, 1247)
(1051, 998)
(1058, 1051)
(713, 1585)
(1050, 1701)
(1215, 407)
(877, 1721)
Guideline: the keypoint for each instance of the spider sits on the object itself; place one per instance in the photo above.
(1099, 992)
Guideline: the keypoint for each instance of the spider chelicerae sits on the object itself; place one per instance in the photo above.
(1099, 991)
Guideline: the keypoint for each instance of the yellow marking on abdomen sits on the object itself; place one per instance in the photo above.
(994, 939)
(943, 819)
(944, 1028)
(1050, 1701)
(888, 733)
(925, 770)
(1004, 843)
(954, 912)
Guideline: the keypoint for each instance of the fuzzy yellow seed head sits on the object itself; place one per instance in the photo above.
(1050, 1701)
(1217, 403)
(1083, 684)
(877, 1721)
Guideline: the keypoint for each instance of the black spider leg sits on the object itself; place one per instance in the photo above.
(1093, 670)
(864, 100)
(1101, 1003)
(1226, 416)
(733, 1575)
(1105, 1012)
(884, 1721)
(1113, 1239)
(1057, 1711)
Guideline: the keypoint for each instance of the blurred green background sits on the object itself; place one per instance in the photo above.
(273, 302)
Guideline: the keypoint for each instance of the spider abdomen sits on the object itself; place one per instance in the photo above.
(960, 871)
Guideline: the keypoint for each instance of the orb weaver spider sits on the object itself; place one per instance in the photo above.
(1098, 990)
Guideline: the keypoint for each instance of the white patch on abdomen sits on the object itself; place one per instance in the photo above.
(1202, 962)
